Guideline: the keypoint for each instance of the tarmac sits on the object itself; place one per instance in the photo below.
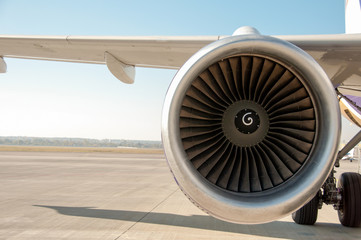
(123, 196)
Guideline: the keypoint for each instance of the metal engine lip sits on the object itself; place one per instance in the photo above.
(268, 205)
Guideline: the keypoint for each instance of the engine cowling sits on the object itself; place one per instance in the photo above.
(250, 128)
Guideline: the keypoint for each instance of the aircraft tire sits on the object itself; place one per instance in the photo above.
(307, 215)
(349, 213)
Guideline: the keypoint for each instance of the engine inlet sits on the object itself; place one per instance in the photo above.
(247, 123)
(250, 128)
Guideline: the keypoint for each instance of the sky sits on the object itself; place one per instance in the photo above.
(54, 99)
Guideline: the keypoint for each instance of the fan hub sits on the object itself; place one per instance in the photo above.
(247, 121)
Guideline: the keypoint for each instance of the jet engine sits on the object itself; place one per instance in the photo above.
(250, 128)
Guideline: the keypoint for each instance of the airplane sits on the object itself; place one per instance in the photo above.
(250, 123)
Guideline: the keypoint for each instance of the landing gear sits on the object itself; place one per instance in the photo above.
(307, 215)
(349, 211)
(346, 199)
(349, 187)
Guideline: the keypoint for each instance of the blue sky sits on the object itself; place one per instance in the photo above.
(52, 99)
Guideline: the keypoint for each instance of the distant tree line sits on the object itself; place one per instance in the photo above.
(78, 142)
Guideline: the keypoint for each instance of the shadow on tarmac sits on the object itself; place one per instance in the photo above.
(278, 229)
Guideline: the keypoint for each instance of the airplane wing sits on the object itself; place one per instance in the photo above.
(339, 55)
(158, 52)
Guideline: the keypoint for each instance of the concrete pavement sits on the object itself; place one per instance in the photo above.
(122, 196)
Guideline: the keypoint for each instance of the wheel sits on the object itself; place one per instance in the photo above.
(349, 213)
(307, 215)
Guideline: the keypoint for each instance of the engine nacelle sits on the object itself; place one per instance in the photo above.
(250, 128)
